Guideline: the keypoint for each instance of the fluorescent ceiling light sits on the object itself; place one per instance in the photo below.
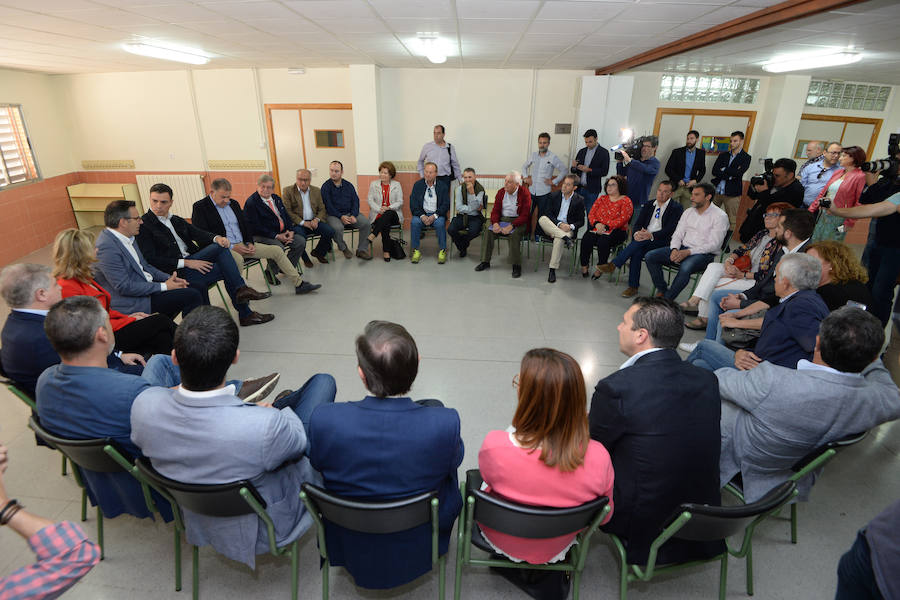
(803, 63)
(193, 56)
(432, 46)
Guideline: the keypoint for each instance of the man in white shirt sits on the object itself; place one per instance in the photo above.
(540, 183)
(306, 209)
(442, 154)
(695, 243)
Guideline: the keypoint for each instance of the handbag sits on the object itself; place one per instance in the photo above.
(736, 338)
(743, 263)
(397, 252)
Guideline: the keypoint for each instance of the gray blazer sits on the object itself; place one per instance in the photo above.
(117, 272)
(773, 416)
(220, 439)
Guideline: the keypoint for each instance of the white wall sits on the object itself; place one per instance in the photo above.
(230, 114)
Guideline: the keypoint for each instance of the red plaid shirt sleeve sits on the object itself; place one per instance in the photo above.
(64, 555)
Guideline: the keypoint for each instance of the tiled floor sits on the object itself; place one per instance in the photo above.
(472, 329)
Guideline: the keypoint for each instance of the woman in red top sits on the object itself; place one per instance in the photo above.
(73, 255)
(607, 224)
(386, 204)
(844, 189)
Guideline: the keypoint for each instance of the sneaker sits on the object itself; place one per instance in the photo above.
(416, 257)
(687, 347)
(306, 287)
(254, 390)
(442, 257)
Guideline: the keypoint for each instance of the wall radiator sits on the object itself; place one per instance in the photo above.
(187, 188)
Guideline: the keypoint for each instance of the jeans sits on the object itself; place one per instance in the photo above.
(224, 269)
(655, 259)
(856, 579)
(636, 251)
(473, 230)
(713, 330)
(318, 389)
(711, 355)
(162, 372)
(440, 227)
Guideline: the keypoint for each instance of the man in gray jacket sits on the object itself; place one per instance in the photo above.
(773, 416)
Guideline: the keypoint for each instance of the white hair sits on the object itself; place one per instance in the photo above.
(801, 270)
(516, 176)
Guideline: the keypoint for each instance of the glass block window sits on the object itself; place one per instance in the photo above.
(704, 88)
(855, 96)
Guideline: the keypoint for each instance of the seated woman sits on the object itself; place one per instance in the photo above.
(385, 206)
(843, 277)
(73, 255)
(607, 224)
(547, 457)
(731, 275)
(843, 189)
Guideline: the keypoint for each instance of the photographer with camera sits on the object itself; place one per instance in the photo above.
(843, 190)
(639, 172)
(728, 172)
(777, 184)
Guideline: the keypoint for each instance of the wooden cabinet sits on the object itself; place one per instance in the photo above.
(90, 199)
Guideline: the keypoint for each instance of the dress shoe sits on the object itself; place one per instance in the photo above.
(319, 257)
(364, 254)
(347, 253)
(551, 278)
(306, 287)
(254, 390)
(606, 268)
(629, 292)
(463, 252)
(482, 266)
(282, 394)
(569, 242)
(245, 294)
(256, 318)
(516, 271)
(307, 263)
(271, 279)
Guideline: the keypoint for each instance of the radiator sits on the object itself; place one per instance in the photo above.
(187, 188)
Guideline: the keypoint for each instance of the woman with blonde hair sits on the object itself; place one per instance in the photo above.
(73, 255)
(843, 276)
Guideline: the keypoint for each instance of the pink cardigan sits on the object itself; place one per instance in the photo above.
(847, 195)
(519, 475)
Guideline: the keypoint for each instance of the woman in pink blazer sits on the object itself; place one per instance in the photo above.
(843, 189)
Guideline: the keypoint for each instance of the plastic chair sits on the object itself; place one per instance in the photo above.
(544, 241)
(373, 517)
(220, 500)
(248, 263)
(523, 521)
(704, 523)
(695, 277)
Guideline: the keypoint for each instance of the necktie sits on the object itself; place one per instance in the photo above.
(275, 210)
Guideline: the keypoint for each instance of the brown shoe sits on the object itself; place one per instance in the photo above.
(308, 263)
(254, 390)
(629, 292)
(246, 293)
(282, 394)
(606, 268)
(319, 257)
(256, 318)
(363, 254)
(347, 253)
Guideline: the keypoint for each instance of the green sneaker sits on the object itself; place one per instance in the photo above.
(442, 257)
(416, 256)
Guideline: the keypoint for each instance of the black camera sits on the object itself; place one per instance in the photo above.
(632, 146)
(766, 177)
(825, 202)
(887, 166)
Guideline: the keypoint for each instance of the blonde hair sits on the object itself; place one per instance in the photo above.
(844, 264)
(73, 255)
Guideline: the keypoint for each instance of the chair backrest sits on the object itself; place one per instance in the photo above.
(710, 523)
(87, 454)
(533, 521)
(832, 445)
(371, 517)
(726, 243)
(215, 500)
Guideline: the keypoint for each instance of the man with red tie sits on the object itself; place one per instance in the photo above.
(270, 224)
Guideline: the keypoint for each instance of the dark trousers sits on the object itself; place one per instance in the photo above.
(224, 269)
(538, 204)
(604, 243)
(636, 251)
(172, 302)
(472, 230)
(695, 263)
(884, 267)
(147, 336)
(318, 389)
(856, 580)
(325, 233)
(382, 226)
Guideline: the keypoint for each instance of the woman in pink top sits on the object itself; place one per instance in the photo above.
(843, 189)
(548, 459)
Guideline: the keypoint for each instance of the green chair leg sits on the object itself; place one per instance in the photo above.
(196, 572)
(794, 523)
(442, 576)
(63, 465)
(295, 570)
(749, 561)
(723, 577)
(457, 583)
(100, 533)
(576, 584)
(325, 580)
(83, 505)
(222, 296)
(177, 561)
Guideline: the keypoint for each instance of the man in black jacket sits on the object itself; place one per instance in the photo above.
(787, 188)
(686, 167)
(728, 173)
(170, 243)
(560, 219)
(591, 165)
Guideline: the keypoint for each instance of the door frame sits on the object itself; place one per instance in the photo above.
(875, 123)
(299, 108)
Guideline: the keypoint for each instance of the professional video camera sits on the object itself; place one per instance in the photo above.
(887, 166)
(632, 146)
(766, 177)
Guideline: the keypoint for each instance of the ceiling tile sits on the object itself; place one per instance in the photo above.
(268, 9)
(414, 25)
(496, 9)
(353, 25)
(582, 10)
(330, 9)
(566, 28)
(724, 14)
(493, 25)
(292, 25)
(413, 8)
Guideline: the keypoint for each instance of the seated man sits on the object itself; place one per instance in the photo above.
(659, 419)
(773, 416)
(695, 243)
(788, 331)
(170, 243)
(270, 224)
(653, 229)
(470, 203)
(387, 447)
(429, 203)
(342, 206)
(134, 284)
(201, 433)
(560, 219)
(222, 215)
(509, 217)
(304, 206)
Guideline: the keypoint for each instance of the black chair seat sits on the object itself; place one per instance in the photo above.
(833, 445)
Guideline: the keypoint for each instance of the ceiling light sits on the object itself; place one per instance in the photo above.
(803, 63)
(297, 71)
(430, 45)
(193, 56)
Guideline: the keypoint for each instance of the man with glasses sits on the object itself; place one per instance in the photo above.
(814, 175)
(429, 203)
(786, 188)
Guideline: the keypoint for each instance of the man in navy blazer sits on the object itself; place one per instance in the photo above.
(561, 216)
(659, 419)
(686, 167)
(134, 284)
(591, 164)
(728, 172)
(270, 223)
(387, 447)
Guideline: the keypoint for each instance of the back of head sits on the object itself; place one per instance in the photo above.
(19, 283)
(551, 411)
(802, 270)
(116, 211)
(800, 223)
(850, 339)
(73, 255)
(72, 324)
(662, 318)
(388, 357)
(845, 266)
(205, 344)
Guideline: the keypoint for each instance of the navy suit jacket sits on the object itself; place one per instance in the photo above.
(790, 328)
(575, 215)
(417, 198)
(659, 420)
(205, 216)
(670, 219)
(732, 174)
(386, 449)
(262, 220)
(599, 168)
(676, 163)
(117, 272)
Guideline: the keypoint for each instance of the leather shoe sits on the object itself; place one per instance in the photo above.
(463, 252)
(246, 293)
(307, 263)
(282, 394)
(254, 390)
(482, 266)
(319, 257)
(569, 242)
(629, 292)
(606, 268)
(551, 278)
(306, 287)
(363, 254)
(256, 318)
(271, 279)
(516, 271)
(347, 253)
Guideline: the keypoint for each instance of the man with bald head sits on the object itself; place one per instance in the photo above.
(306, 209)
(509, 218)
(815, 149)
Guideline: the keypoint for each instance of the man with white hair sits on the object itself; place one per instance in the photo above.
(789, 329)
(509, 218)
(270, 223)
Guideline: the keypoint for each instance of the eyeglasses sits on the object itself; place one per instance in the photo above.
(138, 218)
(430, 193)
(821, 172)
(515, 381)
(767, 215)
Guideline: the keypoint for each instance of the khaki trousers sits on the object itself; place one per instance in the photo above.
(557, 234)
(683, 196)
(273, 253)
(730, 205)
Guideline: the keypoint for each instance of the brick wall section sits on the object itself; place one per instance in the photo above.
(31, 215)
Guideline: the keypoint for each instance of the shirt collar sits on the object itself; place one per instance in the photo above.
(805, 365)
(32, 311)
(662, 207)
(223, 396)
(301, 191)
(122, 238)
(788, 297)
(634, 357)
(796, 248)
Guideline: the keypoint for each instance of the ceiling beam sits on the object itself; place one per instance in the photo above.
(778, 14)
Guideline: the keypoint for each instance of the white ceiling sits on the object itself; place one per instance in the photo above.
(76, 36)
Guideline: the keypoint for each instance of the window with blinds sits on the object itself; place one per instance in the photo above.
(17, 164)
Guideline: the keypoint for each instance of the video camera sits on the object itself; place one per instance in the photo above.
(887, 166)
(766, 177)
(632, 146)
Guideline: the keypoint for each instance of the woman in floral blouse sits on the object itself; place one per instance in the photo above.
(607, 224)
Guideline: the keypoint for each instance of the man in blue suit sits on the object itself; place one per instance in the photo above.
(270, 223)
(386, 447)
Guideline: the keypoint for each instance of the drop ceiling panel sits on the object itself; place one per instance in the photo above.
(497, 9)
